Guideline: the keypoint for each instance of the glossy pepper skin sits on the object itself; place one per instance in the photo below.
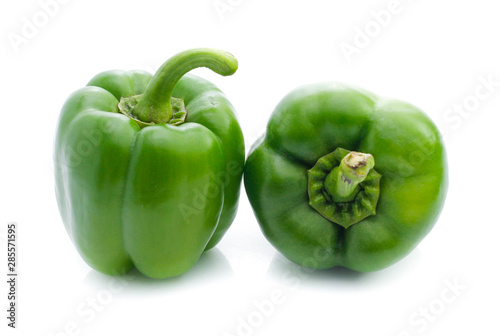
(148, 188)
(283, 169)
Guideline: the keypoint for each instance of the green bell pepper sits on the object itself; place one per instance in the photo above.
(148, 169)
(345, 178)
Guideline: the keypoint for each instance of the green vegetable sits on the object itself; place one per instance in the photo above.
(148, 169)
(346, 178)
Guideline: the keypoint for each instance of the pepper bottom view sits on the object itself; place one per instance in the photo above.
(345, 178)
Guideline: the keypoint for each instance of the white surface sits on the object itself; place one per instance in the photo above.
(432, 54)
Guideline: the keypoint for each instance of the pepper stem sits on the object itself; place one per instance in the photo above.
(154, 105)
(342, 184)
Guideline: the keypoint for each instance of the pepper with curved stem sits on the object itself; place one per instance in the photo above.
(155, 106)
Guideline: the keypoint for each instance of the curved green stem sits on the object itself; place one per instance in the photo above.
(342, 184)
(154, 105)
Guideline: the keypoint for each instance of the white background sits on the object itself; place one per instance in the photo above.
(433, 54)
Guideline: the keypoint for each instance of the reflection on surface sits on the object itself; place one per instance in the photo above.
(283, 270)
(212, 265)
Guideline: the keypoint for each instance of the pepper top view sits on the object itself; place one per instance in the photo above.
(148, 169)
(345, 178)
